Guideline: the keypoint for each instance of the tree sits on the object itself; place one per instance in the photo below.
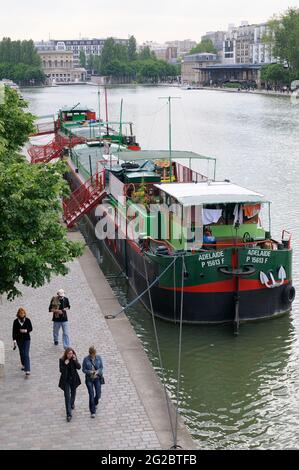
(107, 54)
(121, 52)
(132, 49)
(96, 63)
(116, 60)
(16, 125)
(145, 53)
(275, 74)
(33, 243)
(82, 59)
(284, 36)
(206, 45)
(19, 61)
(90, 62)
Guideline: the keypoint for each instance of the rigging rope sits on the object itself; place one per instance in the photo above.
(179, 355)
(142, 293)
(185, 121)
(153, 123)
(159, 351)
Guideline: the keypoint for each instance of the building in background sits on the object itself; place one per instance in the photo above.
(194, 65)
(246, 44)
(88, 46)
(58, 67)
(171, 50)
(217, 38)
(172, 55)
(183, 47)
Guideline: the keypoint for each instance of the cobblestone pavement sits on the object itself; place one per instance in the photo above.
(32, 412)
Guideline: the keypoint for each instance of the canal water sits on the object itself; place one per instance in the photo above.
(242, 392)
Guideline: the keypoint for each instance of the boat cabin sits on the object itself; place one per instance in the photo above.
(219, 214)
(72, 116)
(82, 122)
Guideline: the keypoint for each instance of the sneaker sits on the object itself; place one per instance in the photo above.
(27, 374)
(23, 368)
(56, 343)
(68, 418)
(92, 415)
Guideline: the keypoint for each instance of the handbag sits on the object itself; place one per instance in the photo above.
(102, 380)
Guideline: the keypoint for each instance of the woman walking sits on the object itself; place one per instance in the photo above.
(21, 330)
(69, 379)
(93, 370)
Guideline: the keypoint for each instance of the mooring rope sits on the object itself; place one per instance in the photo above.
(142, 293)
(159, 352)
(179, 355)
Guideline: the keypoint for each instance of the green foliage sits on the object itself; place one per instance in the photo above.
(82, 59)
(15, 52)
(275, 74)
(108, 54)
(16, 125)
(20, 62)
(121, 61)
(206, 45)
(132, 49)
(232, 85)
(90, 62)
(145, 54)
(33, 243)
(284, 36)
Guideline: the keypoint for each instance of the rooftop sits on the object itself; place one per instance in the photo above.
(161, 154)
(75, 109)
(200, 57)
(191, 194)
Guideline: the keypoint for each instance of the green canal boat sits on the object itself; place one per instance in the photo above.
(192, 247)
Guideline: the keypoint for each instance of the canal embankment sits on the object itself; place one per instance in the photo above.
(250, 92)
(133, 411)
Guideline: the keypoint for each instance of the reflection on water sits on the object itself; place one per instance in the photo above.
(236, 392)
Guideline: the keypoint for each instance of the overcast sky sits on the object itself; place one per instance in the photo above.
(158, 20)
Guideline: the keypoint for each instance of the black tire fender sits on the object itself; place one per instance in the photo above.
(289, 294)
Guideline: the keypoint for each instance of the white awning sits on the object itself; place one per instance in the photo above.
(194, 194)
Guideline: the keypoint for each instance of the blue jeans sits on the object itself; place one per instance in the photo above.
(69, 397)
(93, 386)
(65, 332)
(24, 347)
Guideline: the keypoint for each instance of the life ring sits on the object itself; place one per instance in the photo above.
(289, 294)
(247, 237)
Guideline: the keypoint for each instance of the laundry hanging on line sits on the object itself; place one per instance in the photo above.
(211, 216)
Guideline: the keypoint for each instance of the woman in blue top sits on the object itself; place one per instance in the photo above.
(93, 370)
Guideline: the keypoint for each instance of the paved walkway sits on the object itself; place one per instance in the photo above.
(32, 412)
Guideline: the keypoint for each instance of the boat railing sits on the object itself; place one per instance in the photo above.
(235, 244)
(94, 185)
(287, 241)
(165, 243)
(186, 175)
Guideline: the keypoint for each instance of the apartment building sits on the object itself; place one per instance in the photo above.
(88, 46)
(246, 44)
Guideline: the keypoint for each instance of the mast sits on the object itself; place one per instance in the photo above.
(106, 105)
(120, 126)
(169, 98)
(99, 108)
